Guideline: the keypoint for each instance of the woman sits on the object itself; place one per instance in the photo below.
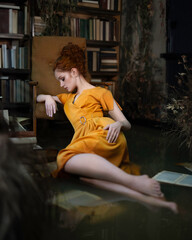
(98, 149)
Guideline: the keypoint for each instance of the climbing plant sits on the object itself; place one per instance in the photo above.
(140, 98)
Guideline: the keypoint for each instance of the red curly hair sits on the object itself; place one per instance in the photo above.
(71, 56)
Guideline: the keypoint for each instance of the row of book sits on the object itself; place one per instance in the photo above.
(13, 56)
(95, 29)
(102, 59)
(14, 90)
(113, 5)
(14, 19)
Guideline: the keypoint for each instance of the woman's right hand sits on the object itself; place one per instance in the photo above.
(50, 106)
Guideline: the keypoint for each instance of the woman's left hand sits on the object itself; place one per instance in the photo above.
(113, 131)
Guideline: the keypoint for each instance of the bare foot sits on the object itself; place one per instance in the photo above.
(146, 185)
(173, 206)
(164, 204)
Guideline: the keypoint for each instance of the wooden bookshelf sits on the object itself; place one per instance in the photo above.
(99, 22)
(15, 51)
(103, 34)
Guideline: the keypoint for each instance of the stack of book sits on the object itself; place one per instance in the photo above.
(39, 26)
(102, 59)
(108, 58)
(14, 90)
(13, 18)
(88, 3)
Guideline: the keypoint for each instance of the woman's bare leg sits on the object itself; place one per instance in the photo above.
(94, 166)
(132, 194)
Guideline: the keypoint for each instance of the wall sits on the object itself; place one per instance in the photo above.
(131, 30)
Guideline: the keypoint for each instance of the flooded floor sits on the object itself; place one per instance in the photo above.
(83, 212)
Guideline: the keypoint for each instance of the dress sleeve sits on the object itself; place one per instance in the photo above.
(107, 101)
(63, 97)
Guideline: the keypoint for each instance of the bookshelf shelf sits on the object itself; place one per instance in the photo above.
(102, 43)
(96, 11)
(14, 36)
(11, 71)
(16, 105)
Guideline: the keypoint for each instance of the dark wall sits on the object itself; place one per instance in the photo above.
(179, 36)
(179, 26)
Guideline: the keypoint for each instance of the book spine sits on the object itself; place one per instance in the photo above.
(25, 20)
(10, 20)
(0, 57)
(4, 56)
(15, 21)
(20, 22)
(103, 4)
(4, 18)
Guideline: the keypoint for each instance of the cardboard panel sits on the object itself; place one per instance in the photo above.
(45, 50)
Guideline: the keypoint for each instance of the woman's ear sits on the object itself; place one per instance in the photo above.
(74, 72)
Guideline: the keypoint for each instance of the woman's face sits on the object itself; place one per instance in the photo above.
(67, 81)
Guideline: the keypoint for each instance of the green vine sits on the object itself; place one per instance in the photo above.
(140, 97)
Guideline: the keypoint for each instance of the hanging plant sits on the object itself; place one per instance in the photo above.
(178, 112)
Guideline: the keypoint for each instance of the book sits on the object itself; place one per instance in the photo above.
(15, 21)
(174, 178)
(103, 4)
(13, 57)
(15, 49)
(9, 58)
(5, 114)
(112, 5)
(4, 56)
(3, 82)
(11, 91)
(107, 61)
(9, 6)
(4, 18)
(20, 22)
(88, 4)
(25, 20)
(0, 57)
(10, 20)
(26, 91)
(91, 1)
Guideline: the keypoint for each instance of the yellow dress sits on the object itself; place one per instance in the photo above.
(86, 117)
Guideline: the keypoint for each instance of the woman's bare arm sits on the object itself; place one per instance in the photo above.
(43, 97)
(120, 123)
(118, 116)
(50, 103)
